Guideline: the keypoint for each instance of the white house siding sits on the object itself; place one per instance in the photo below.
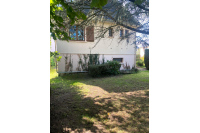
(127, 63)
(110, 47)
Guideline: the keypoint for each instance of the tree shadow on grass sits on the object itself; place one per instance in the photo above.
(70, 110)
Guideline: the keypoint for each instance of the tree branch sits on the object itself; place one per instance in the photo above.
(142, 7)
(128, 27)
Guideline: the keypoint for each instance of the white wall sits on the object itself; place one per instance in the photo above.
(127, 60)
(107, 45)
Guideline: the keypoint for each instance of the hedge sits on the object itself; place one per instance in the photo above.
(146, 58)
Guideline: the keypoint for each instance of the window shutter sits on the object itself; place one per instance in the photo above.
(90, 33)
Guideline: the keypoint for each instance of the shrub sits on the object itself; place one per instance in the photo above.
(109, 68)
(140, 63)
(114, 67)
(135, 70)
(146, 58)
(52, 61)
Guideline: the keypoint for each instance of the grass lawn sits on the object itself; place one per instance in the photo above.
(118, 104)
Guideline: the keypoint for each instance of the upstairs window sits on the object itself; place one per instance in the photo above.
(76, 33)
(126, 32)
(110, 32)
(121, 33)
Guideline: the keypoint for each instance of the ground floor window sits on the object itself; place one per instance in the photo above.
(118, 59)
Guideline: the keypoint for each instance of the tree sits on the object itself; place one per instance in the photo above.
(121, 12)
(57, 22)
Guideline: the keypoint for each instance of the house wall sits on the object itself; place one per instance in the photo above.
(63, 64)
(110, 47)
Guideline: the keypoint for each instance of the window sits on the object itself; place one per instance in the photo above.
(118, 59)
(126, 32)
(76, 33)
(121, 33)
(110, 32)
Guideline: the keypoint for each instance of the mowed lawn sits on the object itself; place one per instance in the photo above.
(118, 104)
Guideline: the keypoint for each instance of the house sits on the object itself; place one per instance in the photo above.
(87, 40)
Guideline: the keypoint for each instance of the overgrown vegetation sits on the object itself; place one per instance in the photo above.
(139, 63)
(80, 103)
(52, 62)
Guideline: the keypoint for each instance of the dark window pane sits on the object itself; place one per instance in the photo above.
(110, 31)
(72, 32)
(121, 33)
(80, 34)
(117, 59)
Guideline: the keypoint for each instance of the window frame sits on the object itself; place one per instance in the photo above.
(111, 32)
(83, 28)
(127, 37)
(118, 58)
(121, 32)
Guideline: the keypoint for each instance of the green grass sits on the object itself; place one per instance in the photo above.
(109, 104)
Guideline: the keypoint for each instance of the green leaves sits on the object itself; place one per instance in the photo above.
(56, 21)
(139, 2)
(58, 58)
(55, 55)
(60, 19)
(98, 3)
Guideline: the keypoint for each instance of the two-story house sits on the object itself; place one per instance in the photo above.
(86, 40)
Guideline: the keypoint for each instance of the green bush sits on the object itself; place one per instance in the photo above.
(146, 58)
(52, 61)
(139, 63)
(114, 67)
(135, 70)
(108, 68)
